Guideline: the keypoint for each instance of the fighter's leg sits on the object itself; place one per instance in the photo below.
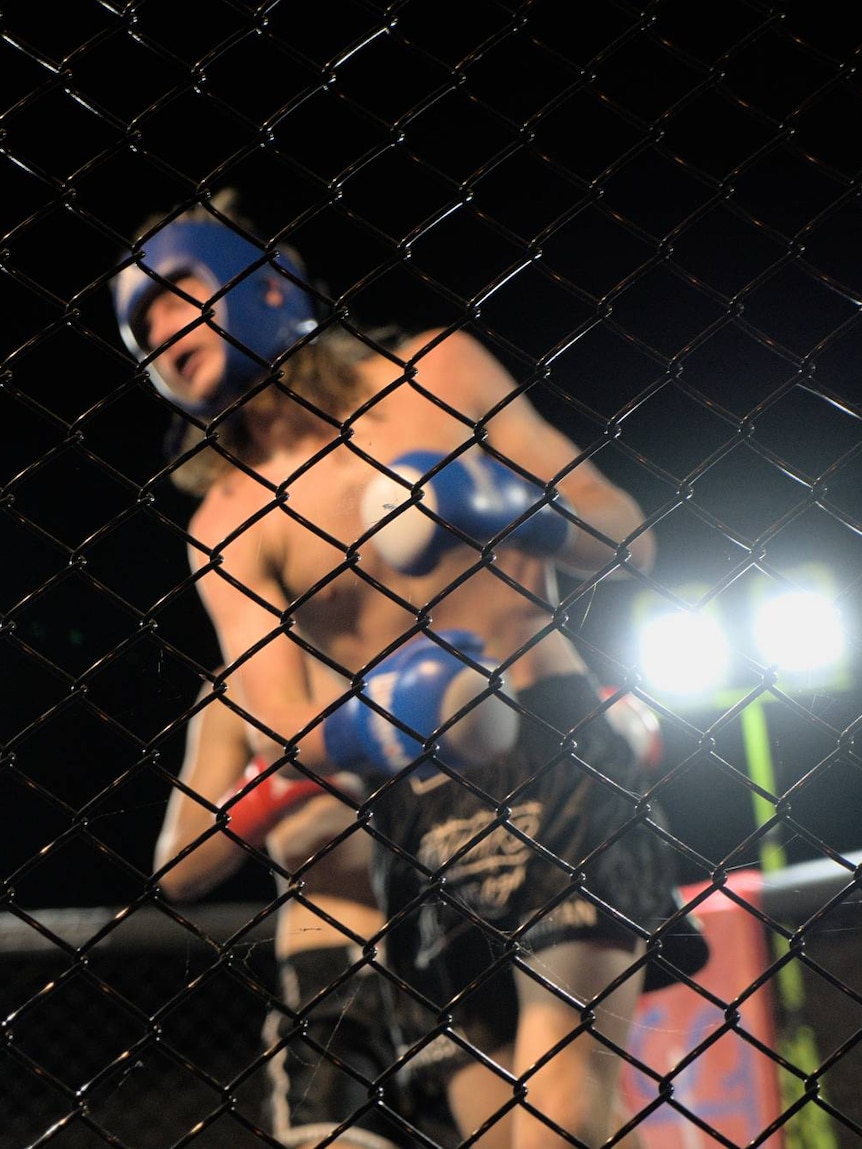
(326, 1048)
(478, 1095)
(576, 1089)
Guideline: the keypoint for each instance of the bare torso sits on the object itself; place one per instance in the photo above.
(301, 524)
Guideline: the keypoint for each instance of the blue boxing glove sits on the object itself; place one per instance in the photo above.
(422, 686)
(472, 496)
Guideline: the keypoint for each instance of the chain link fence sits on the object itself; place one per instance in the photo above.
(652, 212)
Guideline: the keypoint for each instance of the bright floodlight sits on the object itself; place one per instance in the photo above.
(684, 653)
(799, 631)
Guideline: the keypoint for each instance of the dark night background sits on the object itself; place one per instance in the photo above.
(665, 194)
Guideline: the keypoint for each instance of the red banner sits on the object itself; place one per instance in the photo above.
(730, 1086)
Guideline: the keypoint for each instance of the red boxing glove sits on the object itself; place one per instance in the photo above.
(262, 805)
(638, 724)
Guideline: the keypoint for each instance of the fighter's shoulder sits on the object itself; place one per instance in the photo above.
(438, 345)
(420, 349)
(231, 503)
(454, 366)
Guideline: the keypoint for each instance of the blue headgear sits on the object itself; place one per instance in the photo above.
(264, 326)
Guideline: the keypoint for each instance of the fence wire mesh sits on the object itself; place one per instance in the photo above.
(651, 214)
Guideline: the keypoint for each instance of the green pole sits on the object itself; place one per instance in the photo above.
(811, 1128)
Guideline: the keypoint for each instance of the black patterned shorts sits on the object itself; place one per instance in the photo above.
(550, 844)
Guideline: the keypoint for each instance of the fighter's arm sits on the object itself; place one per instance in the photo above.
(269, 674)
(460, 370)
(251, 803)
(519, 433)
(216, 754)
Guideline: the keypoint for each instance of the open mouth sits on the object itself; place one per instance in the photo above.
(184, 364)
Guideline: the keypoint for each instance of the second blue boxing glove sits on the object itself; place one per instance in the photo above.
(421, 687)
